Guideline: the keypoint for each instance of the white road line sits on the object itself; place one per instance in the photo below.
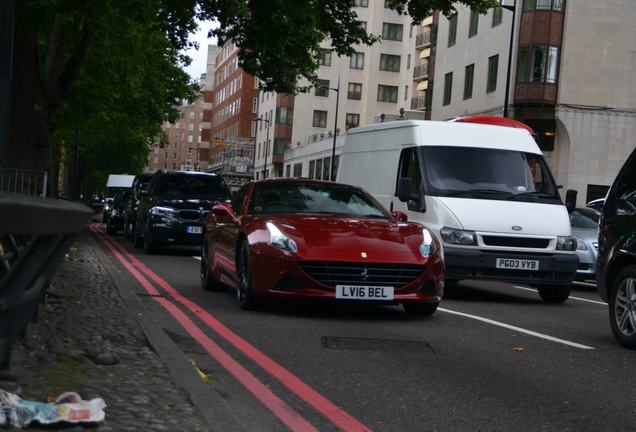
(572, 297)
(518, 329)
(197, 258)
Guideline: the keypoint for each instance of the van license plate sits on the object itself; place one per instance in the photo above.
(517, 264)
(360, 292)
(194, 230)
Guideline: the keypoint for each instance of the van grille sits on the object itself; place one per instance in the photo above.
(334, 273)
(521, 242)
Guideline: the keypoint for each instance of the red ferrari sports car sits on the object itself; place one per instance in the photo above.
(302, 238)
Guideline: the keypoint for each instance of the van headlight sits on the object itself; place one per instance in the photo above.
(458, 237)
(427, 248)
(280, 240)
(566, 243)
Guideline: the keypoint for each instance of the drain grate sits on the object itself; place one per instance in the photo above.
(375, 344)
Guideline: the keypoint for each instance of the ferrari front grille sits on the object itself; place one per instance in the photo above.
(332, 273)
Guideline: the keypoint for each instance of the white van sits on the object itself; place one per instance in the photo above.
(486, 191)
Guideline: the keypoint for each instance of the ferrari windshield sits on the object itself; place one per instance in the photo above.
(468, 172)
(316, 198)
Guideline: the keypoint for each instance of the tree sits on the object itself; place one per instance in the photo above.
(73, 76)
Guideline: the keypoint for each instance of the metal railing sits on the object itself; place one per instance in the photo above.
(25, 182)
(418, 103)
(420, 71)
(423, 39)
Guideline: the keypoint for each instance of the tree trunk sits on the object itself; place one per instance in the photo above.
(31, 134)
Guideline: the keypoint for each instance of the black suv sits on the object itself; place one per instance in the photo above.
(172, 211)
(114, 216)
(617, 254)
(139, 187)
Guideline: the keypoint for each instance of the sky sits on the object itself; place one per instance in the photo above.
(199, 57)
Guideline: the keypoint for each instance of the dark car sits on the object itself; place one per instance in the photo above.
(172, 211)
(114, 215)
(617, 254)
(139, 188)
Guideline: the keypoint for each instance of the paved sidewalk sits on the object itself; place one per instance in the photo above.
(87, 341)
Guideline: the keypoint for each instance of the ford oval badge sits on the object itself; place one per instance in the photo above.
(516, 228)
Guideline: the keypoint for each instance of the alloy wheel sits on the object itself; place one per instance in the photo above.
(625, 307)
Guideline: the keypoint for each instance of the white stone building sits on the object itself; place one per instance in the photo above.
(572, 80)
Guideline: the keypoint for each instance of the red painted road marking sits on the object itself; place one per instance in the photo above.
(281, 409)
(327, 408)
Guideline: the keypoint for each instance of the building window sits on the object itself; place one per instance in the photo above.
(354, 91)
(406, 91)
(538, 64)
(336, 160)
(318, 172)
(325, 57)
(389, 62)
(357, 61)
(174, 155)
(392, 31)
(255, 105)
(387, 93)
(288, 171)
(322, 89)
(352, 120)
(326, 166)
(298, 170)
(190, 138)
(362, 3)
(448, 88)
(469, 74)
(556, 5)
(320, 119)
(408, 61)
(165, 165)
(497, 16)
(452, 30)
(312, 165)
(493, 66)
(474, 23)
(284, 115)
(189, 150)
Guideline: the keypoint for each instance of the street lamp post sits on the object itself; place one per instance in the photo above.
(512, 37)
(6, 65)
(335, 128)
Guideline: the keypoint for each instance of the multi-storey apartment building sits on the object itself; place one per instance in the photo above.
(180, 151)
(424, 64)
(208, 98)
(571, 80)
(376, 80)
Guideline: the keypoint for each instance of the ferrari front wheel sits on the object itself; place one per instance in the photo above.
(244, 295)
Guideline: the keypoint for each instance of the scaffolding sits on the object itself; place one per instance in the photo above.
(233, 159)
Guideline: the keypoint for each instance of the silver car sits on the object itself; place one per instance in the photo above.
(585, 229)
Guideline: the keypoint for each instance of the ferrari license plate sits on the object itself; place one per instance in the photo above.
(517, 264)
(363, 292)
(194, 230)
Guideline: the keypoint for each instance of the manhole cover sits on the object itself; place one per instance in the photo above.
(375, 344)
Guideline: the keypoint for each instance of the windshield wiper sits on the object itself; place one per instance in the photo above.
(534, 194)
(471, 192)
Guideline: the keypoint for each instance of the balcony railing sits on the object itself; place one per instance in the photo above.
(418, 103)
(423, 40)
(420, 72)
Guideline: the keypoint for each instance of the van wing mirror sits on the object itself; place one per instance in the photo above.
(405, 193)
(570, 200)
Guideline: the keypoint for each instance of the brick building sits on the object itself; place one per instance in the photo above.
(181, 151)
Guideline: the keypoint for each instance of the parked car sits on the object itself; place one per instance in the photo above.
(485, 190)
(139, 188)
(596, 204)
(617, 254)
(114, 215)
(114, 184)
(321, 240)
(172, 211)
(585, 230)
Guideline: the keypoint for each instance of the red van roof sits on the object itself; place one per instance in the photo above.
(495, 121)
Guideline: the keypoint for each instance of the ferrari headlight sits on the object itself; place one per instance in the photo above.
(566, 243)
(458, 237)
(162, 211)
(427, 248)
(280, 240)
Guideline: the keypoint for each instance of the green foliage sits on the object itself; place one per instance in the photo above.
(280, 39)
(129, 84)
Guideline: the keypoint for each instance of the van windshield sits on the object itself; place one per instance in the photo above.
(468, 172)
